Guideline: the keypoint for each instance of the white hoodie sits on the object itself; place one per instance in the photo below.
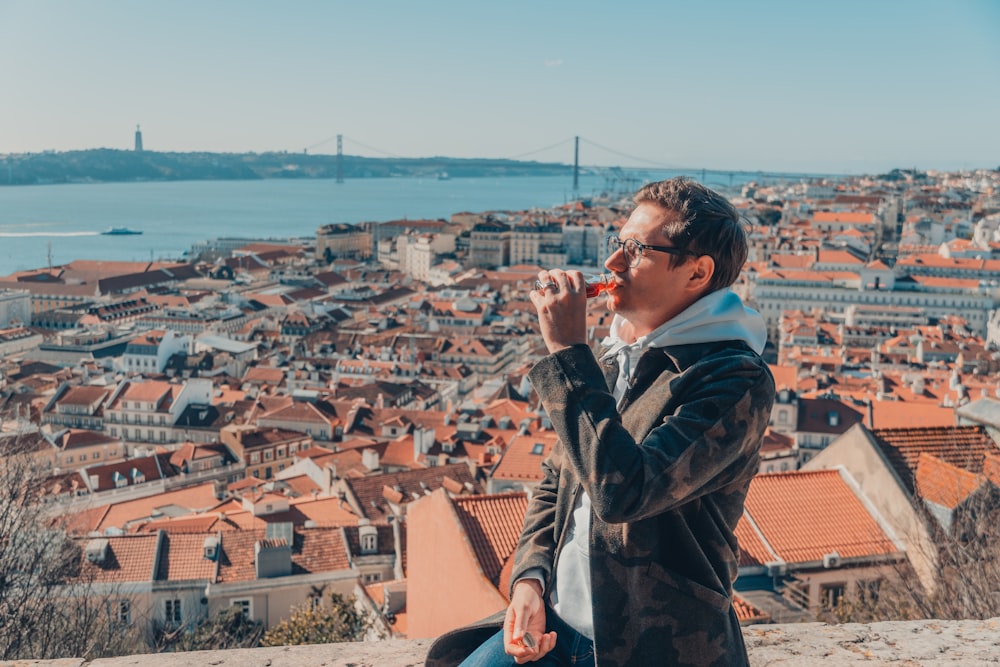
(718, 316)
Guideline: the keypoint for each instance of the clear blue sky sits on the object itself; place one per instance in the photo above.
(798, 85)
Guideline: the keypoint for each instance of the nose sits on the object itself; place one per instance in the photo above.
(616, 260)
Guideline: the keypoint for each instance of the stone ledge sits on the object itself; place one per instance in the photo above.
(900, 644)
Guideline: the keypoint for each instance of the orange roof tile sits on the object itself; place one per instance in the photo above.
(747, 612)
(844, 217)
(964, 447)
(119, 515)
(806, 515)
(991, 467)
(522, 459)
(902, 414)
(942, 483)
(130, 558)
(753, 549)
(182, 558)
(493, 525)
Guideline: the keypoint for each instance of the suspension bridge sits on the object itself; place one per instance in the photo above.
(618, 177)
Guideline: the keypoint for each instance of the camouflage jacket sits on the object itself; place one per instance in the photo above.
(662, 544)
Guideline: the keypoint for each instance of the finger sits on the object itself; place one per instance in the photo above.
(574, 279)
(508, 626)
(546, 643)
(551, 286)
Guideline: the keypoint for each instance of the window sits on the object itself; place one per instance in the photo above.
(268, 473)
(245, 605)
(372, 577)
(868, 589)
(255, 457)
(123, 611)
(830, 595)
(268, 455)
(538, 448)
(172, 611)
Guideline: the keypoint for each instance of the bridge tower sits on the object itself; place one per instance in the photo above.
(340, 158)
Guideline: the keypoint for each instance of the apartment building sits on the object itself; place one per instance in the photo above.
(148, 354)
(537, 243)
(147, 411)
(265, 451)
(775, 291)
(489, 245)
(342, 240)
(77, 407)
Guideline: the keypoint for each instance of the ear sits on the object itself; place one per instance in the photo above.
(701, 270)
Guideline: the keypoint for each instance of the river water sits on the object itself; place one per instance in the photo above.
(40, 224)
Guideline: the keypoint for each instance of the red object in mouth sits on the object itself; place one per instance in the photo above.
(599, 285)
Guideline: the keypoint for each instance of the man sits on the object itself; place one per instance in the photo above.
(628, 554)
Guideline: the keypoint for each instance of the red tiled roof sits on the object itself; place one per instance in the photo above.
(368, 490)
(806, 515)
(753, 548)
(522, 459)
(942, 483)
(182, 558)
(83, 395)
(313, 550)
(747, 612)
(964, 447)
(900, 414)
(129, 558)
(493, 525)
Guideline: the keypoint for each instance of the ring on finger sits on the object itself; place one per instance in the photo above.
(541, 287)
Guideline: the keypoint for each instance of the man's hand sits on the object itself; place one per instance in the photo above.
(561, 302)
(526, 616)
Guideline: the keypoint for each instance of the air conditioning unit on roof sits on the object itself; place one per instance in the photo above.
(776, 568)
(831, 559)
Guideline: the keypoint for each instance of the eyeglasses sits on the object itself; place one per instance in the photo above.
(633, 249)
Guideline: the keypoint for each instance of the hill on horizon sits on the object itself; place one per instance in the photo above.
(105, 165)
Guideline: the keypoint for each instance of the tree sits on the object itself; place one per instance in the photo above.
(341, 621)
(228, 629)
(968, 571)
(49, 606)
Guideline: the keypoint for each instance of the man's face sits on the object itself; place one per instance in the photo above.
(651, 292)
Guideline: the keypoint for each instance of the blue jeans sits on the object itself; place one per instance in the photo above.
(571, 648)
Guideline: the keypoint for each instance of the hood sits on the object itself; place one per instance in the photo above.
(718, 316)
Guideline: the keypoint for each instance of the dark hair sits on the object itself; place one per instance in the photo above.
(705, 224)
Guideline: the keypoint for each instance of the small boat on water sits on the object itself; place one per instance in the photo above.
(120, 231)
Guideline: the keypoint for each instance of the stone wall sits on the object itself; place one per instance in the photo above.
(902, 644)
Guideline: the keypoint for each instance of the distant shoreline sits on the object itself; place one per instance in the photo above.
(105, 165)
